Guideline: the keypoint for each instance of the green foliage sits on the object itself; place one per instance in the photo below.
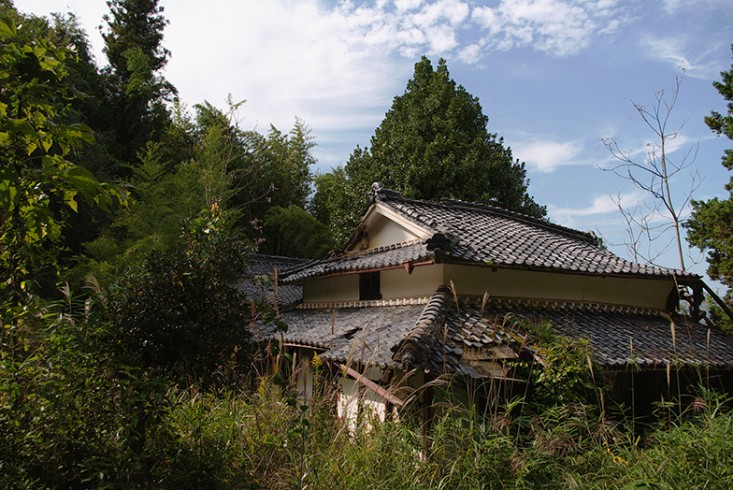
(709, 227)
(433, 144)
(567, 374)
(181, 316)
(293, 232)
(38, 184)
(290, 169)
(167, 193)
(68, 417)
(334, 203)
(278, 173)
(73, 419)
(137, 90)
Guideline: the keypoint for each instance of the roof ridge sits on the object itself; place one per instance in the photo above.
(412, 349)
(278, 257)
(413, 301)
(383, 248)
(297, 268)
(588, 236)
(566, 305)
(386, 195)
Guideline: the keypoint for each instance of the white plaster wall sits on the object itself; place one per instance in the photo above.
(347, 408)
(373, 406)
(386, 232)
(645, 293)
(357, 402)
(304, 379)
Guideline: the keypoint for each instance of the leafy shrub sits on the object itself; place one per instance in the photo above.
(181, 315)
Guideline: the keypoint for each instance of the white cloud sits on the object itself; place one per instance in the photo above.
(557, 27)
(669, 49)
(600, 205)
(546, 156)
(470, 54)
(453, 11)
(403, 5)
(674, 6)
(676, 50)
(487, 19)
(287, 59)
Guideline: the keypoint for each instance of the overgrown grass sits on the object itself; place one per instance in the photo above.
(269, 440)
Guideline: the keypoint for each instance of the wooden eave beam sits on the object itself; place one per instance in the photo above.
(363, 380)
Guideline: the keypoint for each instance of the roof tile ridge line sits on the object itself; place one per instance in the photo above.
(383, 248)
(582, 235)
(589, 237)
(342, 256)
(320, 305)
(281, 257)
(422, 223)
(297, 268)
(568, 304)
(312, 262)
(408, 351)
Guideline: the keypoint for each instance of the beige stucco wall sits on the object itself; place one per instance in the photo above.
(471, 280)
(498, 282)
(332, 289)
(398, 283)
(394, 283)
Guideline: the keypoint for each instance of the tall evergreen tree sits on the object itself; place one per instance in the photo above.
(711, 225)
(137, 90)
(432, 144)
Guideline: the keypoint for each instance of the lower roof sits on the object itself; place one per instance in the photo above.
(444, 336)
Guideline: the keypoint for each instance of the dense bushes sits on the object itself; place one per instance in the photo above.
(79, 421)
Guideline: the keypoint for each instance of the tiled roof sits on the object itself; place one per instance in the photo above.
(484, 235)
(478, 233)
(617, 336)
(364, 335)
(445, 338)
(378, 258)
(259, 282)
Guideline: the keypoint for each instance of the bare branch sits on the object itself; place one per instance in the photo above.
(652, 175)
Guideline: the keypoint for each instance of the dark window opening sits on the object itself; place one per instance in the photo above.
(369, 286)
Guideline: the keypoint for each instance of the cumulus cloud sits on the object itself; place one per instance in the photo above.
(338, 64)
(557, 27)
(546, 156)
(314, 59)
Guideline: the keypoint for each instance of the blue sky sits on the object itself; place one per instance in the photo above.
(554, 77)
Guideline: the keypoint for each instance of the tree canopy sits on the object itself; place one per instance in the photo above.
(136, 89)
(434, 143)
(711, 224)
(39, 185)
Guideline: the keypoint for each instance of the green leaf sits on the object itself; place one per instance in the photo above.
(7, 30)
(8, 189)
(70, 201)
(83, 181)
